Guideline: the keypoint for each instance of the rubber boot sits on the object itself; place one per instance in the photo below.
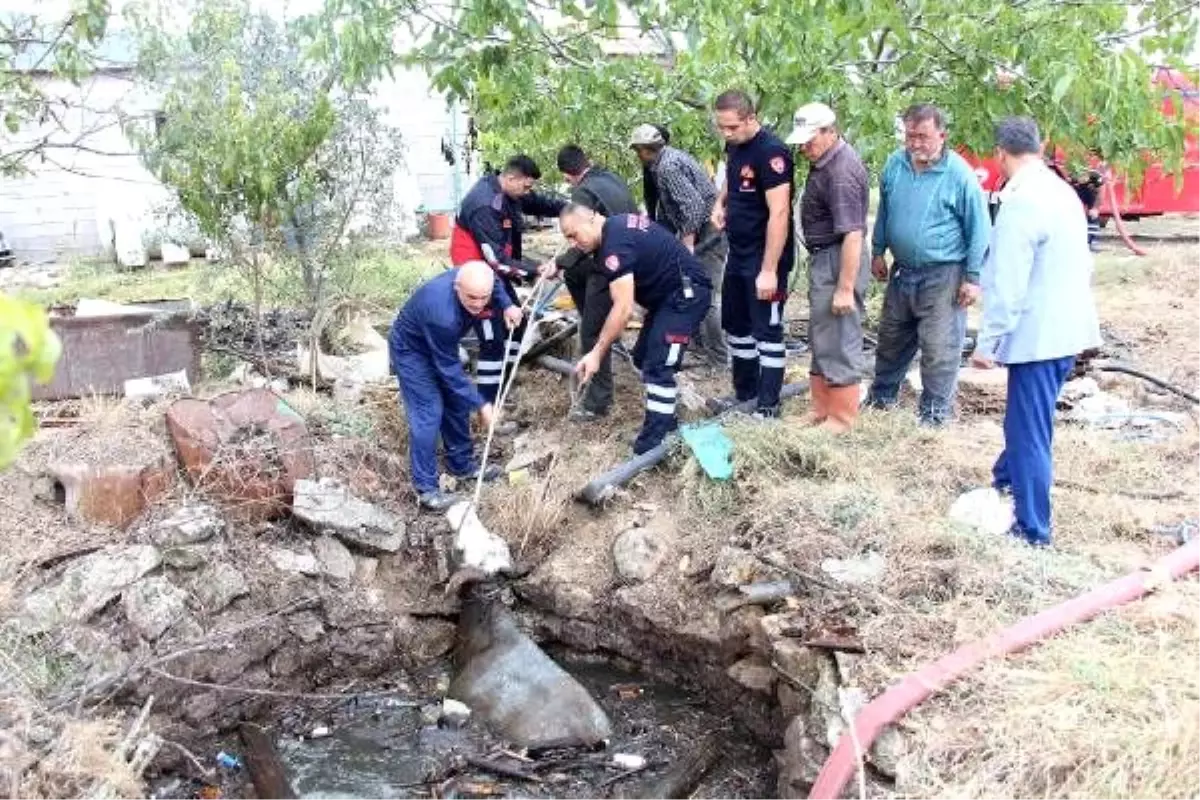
(818, 409)
(843, 407)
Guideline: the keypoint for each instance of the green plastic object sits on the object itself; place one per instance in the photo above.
(712, 448)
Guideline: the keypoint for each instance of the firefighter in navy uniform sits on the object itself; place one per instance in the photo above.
(643, 263)
(488, 228)
(754, 208)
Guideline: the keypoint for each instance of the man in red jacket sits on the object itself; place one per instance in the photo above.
(488, 228)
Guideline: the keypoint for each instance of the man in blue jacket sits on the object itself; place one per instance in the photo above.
(933, 218)
(438, 395)
(1038, 315)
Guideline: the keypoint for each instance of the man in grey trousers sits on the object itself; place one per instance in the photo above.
(933, 218)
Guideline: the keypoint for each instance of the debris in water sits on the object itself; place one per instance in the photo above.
(454, 714)
(628, 761)
(319, 732)
(627, 691)
(227, 761)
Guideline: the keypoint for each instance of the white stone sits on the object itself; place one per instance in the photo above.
(175, 254)
(190, 524)
(639, 553)
(328, 506)
(983, 509)
(855, 571)
(172, 383)
(88, 585)
(336, 561)
(153, 605)
(291, 561)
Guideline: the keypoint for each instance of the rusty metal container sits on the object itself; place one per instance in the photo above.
(99, 353)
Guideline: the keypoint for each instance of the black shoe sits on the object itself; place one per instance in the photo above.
(437, 500)
(490, 473)
(586, 415)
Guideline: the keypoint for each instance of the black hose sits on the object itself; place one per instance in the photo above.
(1159, 382)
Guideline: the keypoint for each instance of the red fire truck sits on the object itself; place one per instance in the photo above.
(1158, 193)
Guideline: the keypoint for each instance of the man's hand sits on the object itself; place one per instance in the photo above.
(879, 268)
(513, 317)
(587, 366)
(486, 414)
(765, 285)
(968, 293)
(548, 271)
(718, 216)
(843, 301)
(981, 361)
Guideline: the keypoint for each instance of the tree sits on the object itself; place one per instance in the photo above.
(32, 46)
(267, 149)
(537, 74)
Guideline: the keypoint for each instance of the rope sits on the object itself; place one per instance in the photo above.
(530, 303)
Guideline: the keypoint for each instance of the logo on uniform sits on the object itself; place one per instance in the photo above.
(612, 262)
(507, 223)
(778, 164)
(747, 182)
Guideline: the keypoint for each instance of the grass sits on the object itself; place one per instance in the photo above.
(382, 278)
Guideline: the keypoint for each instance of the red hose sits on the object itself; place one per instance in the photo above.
(1120, 223)
(917, 686)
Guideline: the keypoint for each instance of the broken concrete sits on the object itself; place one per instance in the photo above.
(754, 673)
(328, 507)
(859, 571)
(736, 567)
(172, 383)
(247, 449)
(190, 524)
(291, 561)
(87, 586)
(218, 586)
(335, 560)
(515, 687)
(153, 605)
(184, 558)
(639, 553)
(799, 761)
(112, 494)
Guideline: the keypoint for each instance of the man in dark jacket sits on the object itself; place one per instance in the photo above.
(607, 194)
(488, 228)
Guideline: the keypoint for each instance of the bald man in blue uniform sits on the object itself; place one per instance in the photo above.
(439, 398)
(643, 263)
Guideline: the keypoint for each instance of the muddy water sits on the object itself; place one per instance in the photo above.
(393, 751)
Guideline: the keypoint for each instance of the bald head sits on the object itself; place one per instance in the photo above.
(473, 284)
(582, 227)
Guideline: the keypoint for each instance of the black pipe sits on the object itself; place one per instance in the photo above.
(546, 345)
(554, 364)
(1109, 367)
(603, 487)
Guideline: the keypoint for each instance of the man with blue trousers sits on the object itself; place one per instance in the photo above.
(933, 218)
(1038, 315)
(438, 396)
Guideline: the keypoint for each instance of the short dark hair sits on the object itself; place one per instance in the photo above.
(1018, 136)
(924, 112)
(523, 165)
(734, 100)
(572, 160)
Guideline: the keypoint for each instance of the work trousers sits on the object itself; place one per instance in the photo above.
(658, 353)
(713, 251)
(589, 291)
(1025, 467)
(755, 331)
(430, 412)
(836, 341)
(921, 310)
(494, 359)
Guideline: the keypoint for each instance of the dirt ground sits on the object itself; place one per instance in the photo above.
(1111, 708)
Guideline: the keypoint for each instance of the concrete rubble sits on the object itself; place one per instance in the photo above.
(153, 605)
(112, 494)
(336, 561)
(218, 586)
(639, 553)
(327, 506)
(246, 449)
(86, 586)
(286, 560)
(189, 524)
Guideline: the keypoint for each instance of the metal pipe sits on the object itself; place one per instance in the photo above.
(602, 488)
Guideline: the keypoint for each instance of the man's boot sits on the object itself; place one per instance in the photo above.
(842, 407)
(818, 408)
